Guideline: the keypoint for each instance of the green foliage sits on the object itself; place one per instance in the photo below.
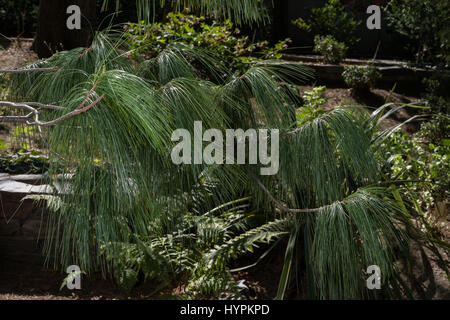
(23, 162)
(232, 48)
(274, 52)
(133, 214)
(426, 24)
(332, 19)
(414, 158)
(126, 138)
(361, 79)
(331, 50)
(312, 102)
(240, 11)
(373, 218)
(195, 251)
(437, 98)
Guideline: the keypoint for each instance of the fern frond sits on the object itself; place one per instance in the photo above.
(245, 242)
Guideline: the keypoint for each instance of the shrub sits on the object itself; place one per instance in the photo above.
(23, 162)
(333, 20)
(414, 158)
(312, 105)
(233, 48)
(360, 79)
(438, 92)
(331, 50)
(426, 24)
(437, 98)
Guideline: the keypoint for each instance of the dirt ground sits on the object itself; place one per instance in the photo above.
(17, 54)
(25, 278)
(376, 98)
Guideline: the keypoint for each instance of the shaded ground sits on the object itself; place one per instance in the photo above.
(376, 98)
(17, 54)
(23, 277)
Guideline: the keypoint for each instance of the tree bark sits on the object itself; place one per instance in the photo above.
(52, 32)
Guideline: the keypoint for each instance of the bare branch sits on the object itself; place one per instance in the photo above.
(69, 115)
(15, 105)
(28, 70)
(15, 119)
(277, 203)
(34, 112)
(44, 106)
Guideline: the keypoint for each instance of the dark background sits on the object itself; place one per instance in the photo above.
(19, 18)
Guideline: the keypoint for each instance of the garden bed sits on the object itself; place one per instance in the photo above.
(392, 71)
(22, 275)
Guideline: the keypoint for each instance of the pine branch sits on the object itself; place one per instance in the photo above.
(278, 203)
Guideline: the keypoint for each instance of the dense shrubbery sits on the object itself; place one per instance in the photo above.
(331, 50)
(360, 79)
(332, 19)
(414, 158)
(312, 105)
(222, 38)
(194, 249)
(23, 162)
(437, 98)
(424, 157)
(426, 24)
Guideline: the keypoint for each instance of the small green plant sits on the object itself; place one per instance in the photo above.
(361, 79)
(331, 50)
(332, 19)
(313, 100)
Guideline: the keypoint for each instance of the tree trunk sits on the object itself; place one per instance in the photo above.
(52, 32)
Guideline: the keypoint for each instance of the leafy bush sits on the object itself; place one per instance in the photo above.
(332, 20)
(311, 109)
(332, 51)
(437, 98)
(437, 95)
(426, 23)
(360, 79)
(23, 162)
(414, 158)
(226, 40)
(196, 251)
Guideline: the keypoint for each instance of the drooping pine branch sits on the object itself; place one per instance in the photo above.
(240, 11)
